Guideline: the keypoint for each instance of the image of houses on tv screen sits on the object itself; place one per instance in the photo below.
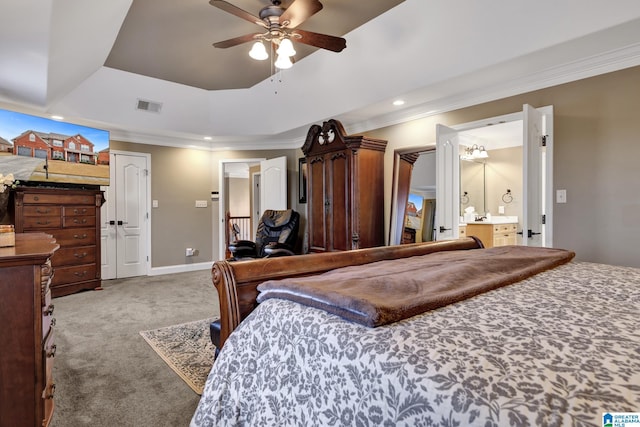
(38, 149)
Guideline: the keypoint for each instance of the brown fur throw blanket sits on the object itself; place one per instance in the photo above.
(388, 291)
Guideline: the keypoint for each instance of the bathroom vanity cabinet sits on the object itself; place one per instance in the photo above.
(492, 234)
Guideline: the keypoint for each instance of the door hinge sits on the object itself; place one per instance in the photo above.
(146, 172)
(147, 258)
(544, 219)
(544, 140)
(147, 215)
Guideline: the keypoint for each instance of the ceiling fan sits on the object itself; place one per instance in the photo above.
(280, 29)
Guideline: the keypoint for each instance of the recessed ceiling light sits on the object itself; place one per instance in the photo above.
(55, 117)
(207, 138)
(398, 102)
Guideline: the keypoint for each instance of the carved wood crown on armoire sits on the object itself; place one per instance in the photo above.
(345, 189)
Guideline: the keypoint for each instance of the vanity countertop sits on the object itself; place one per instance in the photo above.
(494, 220)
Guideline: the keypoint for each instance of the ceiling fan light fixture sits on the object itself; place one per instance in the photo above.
(258, 51)
(286, 48)
(283, 62)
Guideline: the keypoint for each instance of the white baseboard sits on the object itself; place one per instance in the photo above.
(181, 268)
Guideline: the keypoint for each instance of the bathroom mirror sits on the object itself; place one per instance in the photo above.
(473, 185)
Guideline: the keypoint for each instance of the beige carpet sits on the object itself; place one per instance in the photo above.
(186, 348)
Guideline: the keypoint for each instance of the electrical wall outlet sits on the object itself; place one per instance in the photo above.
(189, 252)
(201, 203)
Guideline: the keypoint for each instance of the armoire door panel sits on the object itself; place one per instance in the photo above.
(317, 205)
(339, 195)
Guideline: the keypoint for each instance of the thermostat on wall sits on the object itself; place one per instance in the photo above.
(215, 195)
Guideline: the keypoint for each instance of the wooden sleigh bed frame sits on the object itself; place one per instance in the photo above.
(236, 281)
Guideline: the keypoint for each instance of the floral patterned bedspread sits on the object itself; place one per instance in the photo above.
(557, 349)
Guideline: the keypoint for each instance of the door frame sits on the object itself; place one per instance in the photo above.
(147, 202)
(397, 211)
(547, 112)
(222, 204)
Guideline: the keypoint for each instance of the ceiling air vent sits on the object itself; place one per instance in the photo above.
(151, 106)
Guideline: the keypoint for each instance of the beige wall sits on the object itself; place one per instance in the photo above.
(239, 196)
(503, 171)
(596, 152)
(179, 177)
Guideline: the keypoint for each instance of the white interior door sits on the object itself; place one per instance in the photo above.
(125, 227)
(273, 184)
(108, 230)
(255, 196)
(533, 178)
(447, 217)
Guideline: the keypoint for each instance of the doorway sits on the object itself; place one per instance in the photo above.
(537, 177)
(272, 184)
(535, 225)
(125, 228)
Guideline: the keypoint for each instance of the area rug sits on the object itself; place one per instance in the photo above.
(186, 348)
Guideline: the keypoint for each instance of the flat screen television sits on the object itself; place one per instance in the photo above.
(41, 151)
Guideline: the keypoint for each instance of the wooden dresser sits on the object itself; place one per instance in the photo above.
(72, 216)
(27, 333)
(345, 189)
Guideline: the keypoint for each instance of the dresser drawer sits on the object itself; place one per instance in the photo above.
(40, 210)
(76, 273)
(74, 256)
(41, 222)
(78, 211)
(75, 236)
(78, 221)
(59, 198)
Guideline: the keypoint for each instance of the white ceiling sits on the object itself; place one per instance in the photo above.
(437, 55)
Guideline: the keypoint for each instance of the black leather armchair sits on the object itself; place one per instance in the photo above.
(277, 235)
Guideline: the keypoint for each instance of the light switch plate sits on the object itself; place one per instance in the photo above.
(561, 196)
(201, 203)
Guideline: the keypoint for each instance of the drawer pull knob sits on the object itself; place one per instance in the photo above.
(80, 273)
(45, 222)
(80, 236)
(82, 255)
(50, 310)
(43, 211)
(80, 221)
(51, 392)
(52, 352)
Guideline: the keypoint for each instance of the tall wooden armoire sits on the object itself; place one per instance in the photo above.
(345, 189)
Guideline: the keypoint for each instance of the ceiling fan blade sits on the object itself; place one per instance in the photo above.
(235, 10)
(236, 41)
(298, 12)
(324, 41)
